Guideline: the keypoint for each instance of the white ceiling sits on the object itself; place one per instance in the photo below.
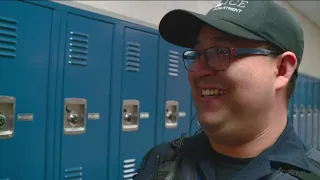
(310, 9)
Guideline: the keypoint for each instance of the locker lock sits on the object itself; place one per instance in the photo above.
(127, 116)
(309, 110)
(2, 120)
(170, 115)
(295, 110)
(73, 117)
(302, 110)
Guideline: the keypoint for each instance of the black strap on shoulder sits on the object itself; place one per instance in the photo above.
(313, 158)
(155, 161)
(163, 162)
(300, 174)
(291, 174)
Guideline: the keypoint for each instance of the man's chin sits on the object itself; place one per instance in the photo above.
(211, 122)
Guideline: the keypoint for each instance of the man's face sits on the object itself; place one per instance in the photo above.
(246, 89)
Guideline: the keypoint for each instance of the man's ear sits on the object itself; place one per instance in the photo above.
(286, 65)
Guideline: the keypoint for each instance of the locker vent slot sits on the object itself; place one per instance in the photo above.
(73, 173)
(8, 37)
(173, 69)
(129, 169)
(78, 48)
(133, 57)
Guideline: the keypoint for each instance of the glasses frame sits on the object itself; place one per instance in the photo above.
(232, 52)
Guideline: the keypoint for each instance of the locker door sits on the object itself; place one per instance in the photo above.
(302, 101)
(291, 114)
(295, 108)
(309, 133)
(139, 95)
(85, 104)
(318, 106)
(177, 93)
(25, 34)
(315, 113)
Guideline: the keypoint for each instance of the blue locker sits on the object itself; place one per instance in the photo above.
(318, 106)
(25, 43)
(290, 113)
(309, 131)
(301, 102)
(138, 96)
(177, 102)
(86, 56)
(315, 113)
(295, 107)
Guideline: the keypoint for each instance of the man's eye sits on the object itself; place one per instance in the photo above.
(222, 52)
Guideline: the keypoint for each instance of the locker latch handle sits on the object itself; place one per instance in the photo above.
(7, 116)
(130, 116)
(75, 116)
(172, 114)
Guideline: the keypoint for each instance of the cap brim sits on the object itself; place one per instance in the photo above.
(181, 27)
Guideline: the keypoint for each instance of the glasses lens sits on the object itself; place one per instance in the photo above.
(218, 58)
(189, 58)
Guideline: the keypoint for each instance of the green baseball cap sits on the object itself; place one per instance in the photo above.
(262, 20)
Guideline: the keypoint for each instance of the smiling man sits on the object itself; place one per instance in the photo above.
(242, 64)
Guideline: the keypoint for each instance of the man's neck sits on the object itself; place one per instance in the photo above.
(258, 144)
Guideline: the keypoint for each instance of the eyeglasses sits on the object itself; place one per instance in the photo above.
(218, 58)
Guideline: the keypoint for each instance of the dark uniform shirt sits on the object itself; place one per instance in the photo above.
(288, 150)
(227, 167)
(200, 161)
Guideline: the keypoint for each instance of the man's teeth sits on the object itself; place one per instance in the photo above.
(213, 92)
